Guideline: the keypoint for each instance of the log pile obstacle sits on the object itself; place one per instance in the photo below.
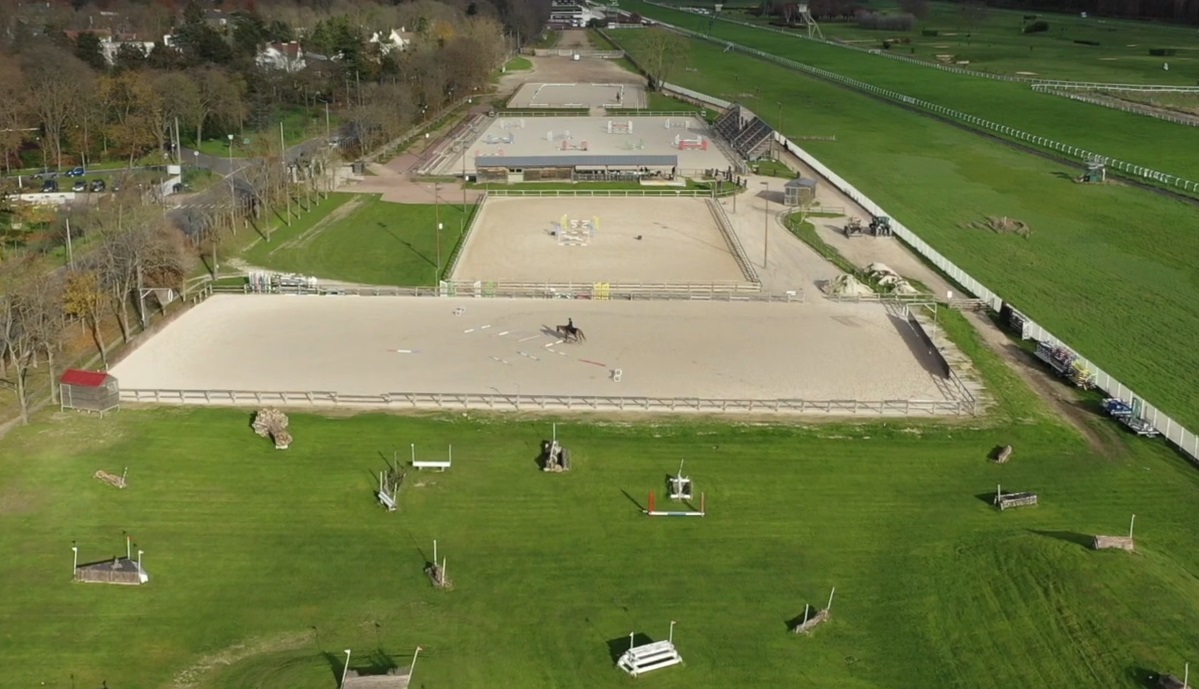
(1117, 542)
(656, 655)
(1004, 455)
(389, 485)
(679, 486)
(273, 423)
(554, 457)
(437, 572)
(394, 678)
(652, 512)
(810, 621)
(1172, 682)
(112, 479)
(1009, 500)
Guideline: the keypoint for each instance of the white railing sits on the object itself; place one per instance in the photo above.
(1131, 169)
(550, 403)
(724, 290)
(552, 193)
(1125, 106)
(1051, 84)
(733, 241)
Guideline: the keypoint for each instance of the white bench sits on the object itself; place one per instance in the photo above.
(653, 656)
(439, 465)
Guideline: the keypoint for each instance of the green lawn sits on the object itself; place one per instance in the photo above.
(1146, 141)
(299, 125)
(518, 64)
(359, 238)
(266, 565)
(996, 43)
(1098, 255)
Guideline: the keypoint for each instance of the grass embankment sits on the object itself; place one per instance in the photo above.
(1073, 48)
(1105, 266)
(363, 239)
(518, 64)
(263, 572)
(1156, 144)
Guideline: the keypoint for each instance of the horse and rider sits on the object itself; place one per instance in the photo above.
(569, 332)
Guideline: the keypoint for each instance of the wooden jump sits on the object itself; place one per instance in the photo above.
(1006, 501)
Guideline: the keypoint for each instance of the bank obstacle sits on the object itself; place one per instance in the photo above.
(554, 457)
(811, 619)
(273, 423)
(656, 655)
(1117, 542)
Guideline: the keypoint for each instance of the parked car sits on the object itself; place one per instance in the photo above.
(98, 185)
(50, 186)
(76, 172)
(79, 185)
(46, 174)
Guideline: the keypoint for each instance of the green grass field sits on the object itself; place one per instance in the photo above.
(518, 64)
(266, 565)
(299, 125)
(360, 238)
(996, 43)
(1150, 142)
(1098, 255)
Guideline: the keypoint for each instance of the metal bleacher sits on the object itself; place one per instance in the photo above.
(748, 135)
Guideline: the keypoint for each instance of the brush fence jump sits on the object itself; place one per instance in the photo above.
(438, 464)
(811, 619)
(1006, 501)
(273, 423)
(698, 143)
(625, 127)
(639, 660)
(654, 512)
(389, 488)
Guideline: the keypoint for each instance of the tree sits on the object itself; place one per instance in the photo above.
(134, 113)
(666, 52)
(82, 298)
(220, 98)
(90, 51)
(178, 97)
(13, 111)
(129, 56)
(55, 79)
(30, 323)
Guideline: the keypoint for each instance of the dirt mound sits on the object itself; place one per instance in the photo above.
(846, 286)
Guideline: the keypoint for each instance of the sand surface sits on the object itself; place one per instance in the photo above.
(578, 95)
(375, 345)
(679, 242)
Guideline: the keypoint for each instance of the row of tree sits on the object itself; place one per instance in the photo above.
(131, 249)
(62, 96)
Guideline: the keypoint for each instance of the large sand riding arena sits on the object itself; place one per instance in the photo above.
(637, 239)
(608, 96)
(546, 136)
(664, 349)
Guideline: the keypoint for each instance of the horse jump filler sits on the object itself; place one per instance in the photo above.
(508, 138)
(625, 127)
(699, 143)
(576, 232)
(569, 145)
(552, 136)
(678, 124)
(512, 123)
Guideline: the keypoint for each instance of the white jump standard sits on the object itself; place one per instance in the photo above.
(649, 657)
(554, 457)
(625, 127)
(440, 465)
(679, 485)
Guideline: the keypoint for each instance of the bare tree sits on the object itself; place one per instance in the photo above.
(12, 109)
(30, 324)
(55, 79)
(83, 298)
(666, 52)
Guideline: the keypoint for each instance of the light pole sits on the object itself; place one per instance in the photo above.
(437, 219)
(766, 224)
(345, 669)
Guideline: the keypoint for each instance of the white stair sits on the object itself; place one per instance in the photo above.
(649, 657)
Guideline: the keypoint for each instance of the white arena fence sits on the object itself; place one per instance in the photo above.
(626, 193)
(581, 52)
(1134, 108)
(1186, 440)
(1133, 170)
(549, 403)
(565, 290)
(955, 69)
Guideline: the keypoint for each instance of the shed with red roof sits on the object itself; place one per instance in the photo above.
(88, 391)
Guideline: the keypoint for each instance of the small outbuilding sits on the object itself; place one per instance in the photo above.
(88, 391)
(799, 191)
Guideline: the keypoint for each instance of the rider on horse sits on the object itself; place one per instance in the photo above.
(570, 326)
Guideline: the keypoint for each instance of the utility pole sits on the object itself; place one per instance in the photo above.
(437, 219)
(766, 224)
(286, 172)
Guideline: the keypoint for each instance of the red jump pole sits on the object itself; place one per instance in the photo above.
(651, 502)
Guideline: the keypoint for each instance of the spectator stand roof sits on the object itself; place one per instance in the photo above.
(577, 161)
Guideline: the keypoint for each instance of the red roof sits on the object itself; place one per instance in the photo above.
(87, 379)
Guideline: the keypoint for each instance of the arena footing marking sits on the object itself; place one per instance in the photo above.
(562, 354)
(530, 356)
(593, 363)
(484, 327)
(503, 333)
(551, 344)
(468, 330)
(404, 351)
(530, 337)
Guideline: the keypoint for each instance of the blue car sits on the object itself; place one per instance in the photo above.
(76, 172)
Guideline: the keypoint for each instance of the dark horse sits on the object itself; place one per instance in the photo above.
(570, 333)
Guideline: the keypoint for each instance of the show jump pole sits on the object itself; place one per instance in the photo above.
(703, 509)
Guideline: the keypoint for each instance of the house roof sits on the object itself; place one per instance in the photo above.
(86, 379)
(577, 161)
